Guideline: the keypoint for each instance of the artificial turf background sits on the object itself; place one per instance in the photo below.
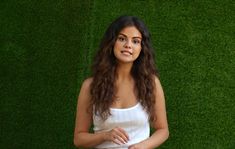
(46, 49)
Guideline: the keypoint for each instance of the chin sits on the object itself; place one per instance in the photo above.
(125, 61)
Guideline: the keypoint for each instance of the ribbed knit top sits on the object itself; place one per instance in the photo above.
(133, 120)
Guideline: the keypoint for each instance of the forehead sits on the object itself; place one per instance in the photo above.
(131, 31)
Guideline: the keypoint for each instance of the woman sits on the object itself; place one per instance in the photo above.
(124, 95)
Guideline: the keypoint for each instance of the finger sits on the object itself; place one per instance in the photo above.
(116, 141)
(125, 135)
(121, 135)
(120, 139)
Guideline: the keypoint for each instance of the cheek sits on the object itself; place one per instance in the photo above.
(117, 46)
(137, 51)
(115, 50)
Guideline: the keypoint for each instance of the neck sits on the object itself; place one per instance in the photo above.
(124, 71)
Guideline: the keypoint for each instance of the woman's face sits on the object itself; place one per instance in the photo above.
(128, 45)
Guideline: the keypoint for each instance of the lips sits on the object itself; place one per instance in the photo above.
(126, 52)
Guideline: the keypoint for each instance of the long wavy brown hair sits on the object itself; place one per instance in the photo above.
(104, 69)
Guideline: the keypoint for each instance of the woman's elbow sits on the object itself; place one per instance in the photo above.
(76, 142)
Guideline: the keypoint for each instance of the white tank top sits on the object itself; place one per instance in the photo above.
(134, 120)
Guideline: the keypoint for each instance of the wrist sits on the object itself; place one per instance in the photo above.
(105, 136)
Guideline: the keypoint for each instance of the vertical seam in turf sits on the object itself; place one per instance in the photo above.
(89, 57)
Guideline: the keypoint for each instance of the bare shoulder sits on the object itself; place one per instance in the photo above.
(158, 90)
(87, 83)
(157, 81)
(84, 95)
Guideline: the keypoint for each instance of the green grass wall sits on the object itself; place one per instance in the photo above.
(46, 50)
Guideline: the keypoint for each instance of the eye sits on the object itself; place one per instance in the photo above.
(136, 41)
(121, 38)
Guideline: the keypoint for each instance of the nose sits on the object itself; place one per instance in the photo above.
(127, 44)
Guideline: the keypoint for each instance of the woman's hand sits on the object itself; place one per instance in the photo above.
(137, 146)
(117, 135)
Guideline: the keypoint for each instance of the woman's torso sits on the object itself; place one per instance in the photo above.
(134, 120)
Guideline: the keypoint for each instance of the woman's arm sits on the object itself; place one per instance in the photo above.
(161, 126)
(82, 137)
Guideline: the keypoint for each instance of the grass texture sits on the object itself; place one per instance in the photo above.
(46, 50)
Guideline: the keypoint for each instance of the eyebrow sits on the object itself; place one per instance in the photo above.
(132, 37)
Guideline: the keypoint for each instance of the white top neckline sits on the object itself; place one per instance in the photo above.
(125, 109)
(134, 120)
